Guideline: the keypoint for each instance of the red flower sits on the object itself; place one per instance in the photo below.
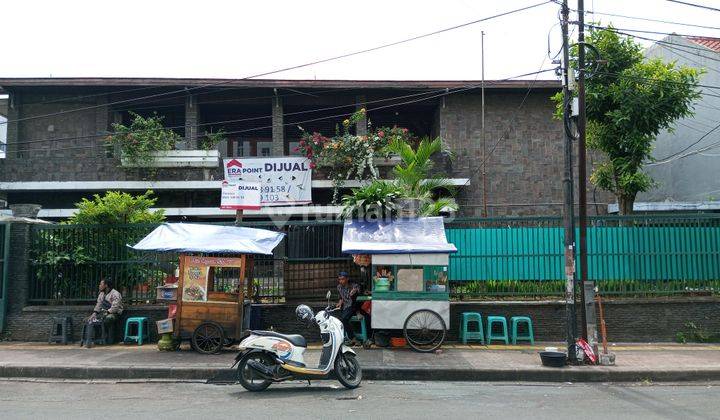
(312, 165)
(405, 130)
(381, 134)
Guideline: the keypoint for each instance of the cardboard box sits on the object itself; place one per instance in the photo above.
(167, 293)
(165, 325)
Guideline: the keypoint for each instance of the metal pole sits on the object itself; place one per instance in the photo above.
(587, 297)
(568, 210)
(482, 119)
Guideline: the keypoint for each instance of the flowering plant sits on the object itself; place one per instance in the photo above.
(348, 155)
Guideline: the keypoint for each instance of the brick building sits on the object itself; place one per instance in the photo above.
(56, 151)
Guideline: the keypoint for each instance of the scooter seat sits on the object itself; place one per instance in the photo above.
(295, 339)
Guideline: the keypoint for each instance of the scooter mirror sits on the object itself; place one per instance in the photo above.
(327, 296)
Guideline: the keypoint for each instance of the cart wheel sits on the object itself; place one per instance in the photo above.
(424, 330)
(208, 338)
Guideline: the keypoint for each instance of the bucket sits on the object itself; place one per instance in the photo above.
(398, 342)
(382, 284)
(553, 358)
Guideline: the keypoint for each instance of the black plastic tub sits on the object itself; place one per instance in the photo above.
(553, 358)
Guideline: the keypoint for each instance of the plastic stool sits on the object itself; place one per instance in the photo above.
(88, 335)
(143, 330)
(465, 335)
(493, 336)
(514, 322)
(61, 330)
(362, 335)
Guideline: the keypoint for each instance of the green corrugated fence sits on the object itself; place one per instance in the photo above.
(614, 253)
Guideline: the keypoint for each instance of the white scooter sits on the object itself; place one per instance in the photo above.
(266, 356)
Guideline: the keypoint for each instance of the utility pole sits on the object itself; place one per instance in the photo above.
(587, 295)
(482, 119)
(568, 208)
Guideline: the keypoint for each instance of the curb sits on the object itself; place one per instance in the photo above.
(390, 373)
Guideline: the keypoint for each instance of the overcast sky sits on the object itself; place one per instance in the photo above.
(144, 38)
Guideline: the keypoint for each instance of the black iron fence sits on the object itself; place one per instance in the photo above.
(519, 258)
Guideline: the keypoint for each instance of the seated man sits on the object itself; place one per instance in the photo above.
(107, 311)
(348, 292)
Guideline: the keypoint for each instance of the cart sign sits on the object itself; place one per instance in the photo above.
(240, 195)
(283, 181)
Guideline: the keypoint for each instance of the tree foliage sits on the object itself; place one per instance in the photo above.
(629, 101)
(117, 208)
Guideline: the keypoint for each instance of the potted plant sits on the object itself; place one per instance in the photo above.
(413, 176)
(146, 143)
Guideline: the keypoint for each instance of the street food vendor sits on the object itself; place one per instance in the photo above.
(348, 292)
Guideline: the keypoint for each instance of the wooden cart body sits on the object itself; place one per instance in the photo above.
(217, 306)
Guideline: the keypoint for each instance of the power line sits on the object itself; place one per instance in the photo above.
(701, 6)
(658, 41)
(445, 92)
(503, 136)
(651, 20)
(691, 145)
(245, 119)
(295, 67)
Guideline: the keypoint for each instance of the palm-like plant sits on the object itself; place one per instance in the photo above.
(412, 175)
(377, 199)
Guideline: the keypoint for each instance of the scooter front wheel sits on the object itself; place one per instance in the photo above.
(348, 370)
(250, 378)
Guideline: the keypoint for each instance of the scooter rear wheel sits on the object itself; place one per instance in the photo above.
(248, 377)
(348, 370)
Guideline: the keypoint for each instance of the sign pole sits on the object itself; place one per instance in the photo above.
(238, 217)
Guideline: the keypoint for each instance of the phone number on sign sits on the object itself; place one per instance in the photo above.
(276, 189)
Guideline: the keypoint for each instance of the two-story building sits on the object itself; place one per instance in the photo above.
(57, 129)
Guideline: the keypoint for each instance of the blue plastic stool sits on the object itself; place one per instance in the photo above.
(362, 335)
(493, 336)
(517, 320)
(143, 330)
(465, 335)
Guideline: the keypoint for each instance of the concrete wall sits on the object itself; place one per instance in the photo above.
(695, 178)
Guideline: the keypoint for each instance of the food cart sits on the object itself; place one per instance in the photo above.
(212, 292)
(409, 261)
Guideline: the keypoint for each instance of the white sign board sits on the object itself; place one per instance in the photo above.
(283, 180)
(240, 196)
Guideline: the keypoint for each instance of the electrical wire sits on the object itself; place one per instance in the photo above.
(235, 120)
(645, 19)
(670, 45)
(701, 6)
(445, 92)
(512, 124)
(669, 158)
(299, 66)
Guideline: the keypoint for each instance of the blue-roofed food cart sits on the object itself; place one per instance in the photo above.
(409, 261)
(210, 296)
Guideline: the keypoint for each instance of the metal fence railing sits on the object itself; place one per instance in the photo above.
(497, 257)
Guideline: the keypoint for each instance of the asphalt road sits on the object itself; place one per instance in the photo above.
(326, 399)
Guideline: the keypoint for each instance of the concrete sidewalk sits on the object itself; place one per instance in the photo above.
(669, 362)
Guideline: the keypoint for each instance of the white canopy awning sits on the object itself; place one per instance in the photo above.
(191, 237)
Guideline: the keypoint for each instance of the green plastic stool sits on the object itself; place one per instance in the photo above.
(493, 336)
(465, 335)
(362, 335)
(517, 320)
(143, 330)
